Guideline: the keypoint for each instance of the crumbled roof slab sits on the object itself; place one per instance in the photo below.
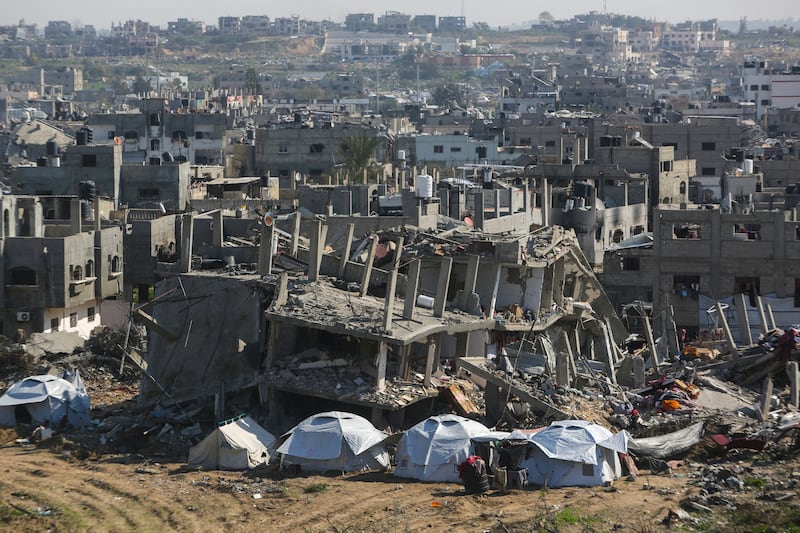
(321, 305)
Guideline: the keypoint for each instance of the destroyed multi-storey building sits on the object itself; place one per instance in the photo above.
(374, 316)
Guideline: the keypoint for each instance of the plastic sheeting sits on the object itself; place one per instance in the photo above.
(47, 397)
(664, 446)
(334, 441)
(236, 445)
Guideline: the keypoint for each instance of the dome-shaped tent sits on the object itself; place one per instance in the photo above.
(47, 397)
(432, 449)
(574, 453)
(334, 441)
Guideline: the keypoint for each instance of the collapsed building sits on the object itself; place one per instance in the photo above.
(371, 321)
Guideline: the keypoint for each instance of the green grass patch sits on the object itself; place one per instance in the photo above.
(9, 514)
(754, 482)
(315, 487)
(568, 516)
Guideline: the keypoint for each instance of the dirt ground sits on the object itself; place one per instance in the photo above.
(66, 488)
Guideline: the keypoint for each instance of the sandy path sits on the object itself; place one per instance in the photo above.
(41, 489)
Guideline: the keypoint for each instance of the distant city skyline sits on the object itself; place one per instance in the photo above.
(102, 14)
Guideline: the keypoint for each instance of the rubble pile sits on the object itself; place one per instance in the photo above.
(341, 379)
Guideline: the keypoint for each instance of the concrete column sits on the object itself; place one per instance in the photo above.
(762, 316)
(651, 345)
(612, 373)
(265, 249)
(546, 300)
(558, 282)
(766, 398)
(368, 266)
(794, 381)
(771, 317)
(562, 370)
(403, 366)
(346, 250)
(412, 283)
(671, 329)
(511, 201)
(281, 290)
(497, 203)
(744, 322)
(380, 384)
(572, 370)
(429, 361)
(479, 214)
(217, 234)
(187, 234)
(724, 321)
(456, 204)
(638, 372)
(296, 233)
(388, 307)
(526, 198)
(441, 286)
(493, 302)
(546, 200)
(315, 253)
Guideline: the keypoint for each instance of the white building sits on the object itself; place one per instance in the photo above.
(767, 87)
(454, 150)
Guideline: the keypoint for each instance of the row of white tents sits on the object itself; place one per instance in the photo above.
(566, 453)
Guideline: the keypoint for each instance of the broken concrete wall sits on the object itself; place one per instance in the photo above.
(515, 223)
(149, 241)
(209, 336)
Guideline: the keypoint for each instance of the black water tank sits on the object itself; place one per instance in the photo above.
(51, 148)
(81, 137)
(87, 210)
(87, 190)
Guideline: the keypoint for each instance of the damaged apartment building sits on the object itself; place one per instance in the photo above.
(61, 261)
(368, 319)
(742, 252)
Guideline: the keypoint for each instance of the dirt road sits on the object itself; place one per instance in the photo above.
(43, 489)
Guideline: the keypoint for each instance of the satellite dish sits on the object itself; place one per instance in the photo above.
(269, 219)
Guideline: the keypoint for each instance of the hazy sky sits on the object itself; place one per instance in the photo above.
(102, 13)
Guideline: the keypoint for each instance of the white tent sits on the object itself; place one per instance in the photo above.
(334, 441)
(433, 449)
(574, 453)
(234, 445)
(47, 397)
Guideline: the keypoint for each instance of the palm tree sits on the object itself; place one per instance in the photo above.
(359, 153)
